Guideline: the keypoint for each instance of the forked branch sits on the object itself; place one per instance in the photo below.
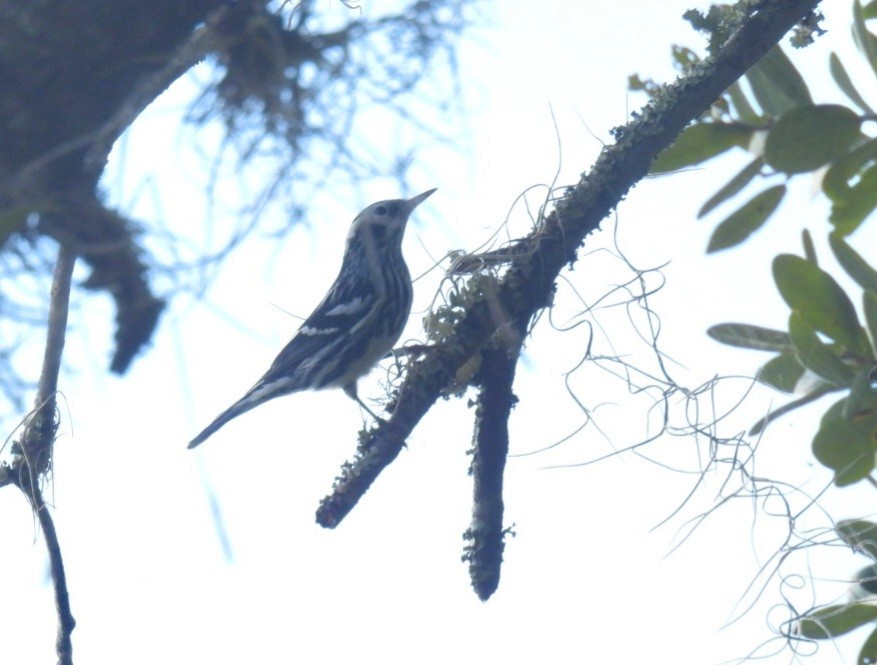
(528, 284)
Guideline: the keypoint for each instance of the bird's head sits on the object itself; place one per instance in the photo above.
(384, 222)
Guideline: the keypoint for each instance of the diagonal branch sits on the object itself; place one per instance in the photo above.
(529, 282)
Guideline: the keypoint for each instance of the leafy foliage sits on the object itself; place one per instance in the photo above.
(747, 219)
(827, 348)
(789, 135)
(836, 620)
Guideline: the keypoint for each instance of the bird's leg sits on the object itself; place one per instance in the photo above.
(410, 350)
(350, 391)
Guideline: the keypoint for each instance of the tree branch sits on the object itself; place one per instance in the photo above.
(33, 452)
(529, 282)
(485, 534)
(35, 445)
(66, 622)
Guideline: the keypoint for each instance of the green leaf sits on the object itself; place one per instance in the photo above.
(866, 581)
(835, 620)
(851, 261)
(845, 83)
(861, 535)
(816, 355)
(845, 446)
(782, 372)
(737, 183)
(807, 137)
(870, 10)
(865, 41)
(851, 184)
(748, 336)
(747, 219)
(776, 84)
(868, 652)
(869, 305)
(847, 169)
(861, 403)
(699, 143)
(848, 214)
(821, 302)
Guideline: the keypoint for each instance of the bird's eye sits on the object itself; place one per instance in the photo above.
(381, 210)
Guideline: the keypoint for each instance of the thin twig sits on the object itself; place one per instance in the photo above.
(39, 432)
(66, 622)
(35, 445)
(57, 325)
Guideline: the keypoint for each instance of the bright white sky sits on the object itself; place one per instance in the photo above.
(586, 579)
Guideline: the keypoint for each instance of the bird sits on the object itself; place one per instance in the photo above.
(356, 324)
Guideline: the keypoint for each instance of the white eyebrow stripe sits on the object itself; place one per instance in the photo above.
(351, 307)
(307, 330)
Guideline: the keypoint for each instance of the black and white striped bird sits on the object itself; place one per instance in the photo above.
(356, 325)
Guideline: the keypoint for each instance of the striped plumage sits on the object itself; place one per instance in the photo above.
(356, 324)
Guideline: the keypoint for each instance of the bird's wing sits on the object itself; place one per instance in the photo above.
(347, 303)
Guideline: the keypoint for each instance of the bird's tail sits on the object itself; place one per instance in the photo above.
(267, 388)
(241, 406)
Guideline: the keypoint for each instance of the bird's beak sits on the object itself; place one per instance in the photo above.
(415, 201)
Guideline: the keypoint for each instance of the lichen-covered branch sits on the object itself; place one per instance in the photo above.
(485, 535)
(528, 283)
